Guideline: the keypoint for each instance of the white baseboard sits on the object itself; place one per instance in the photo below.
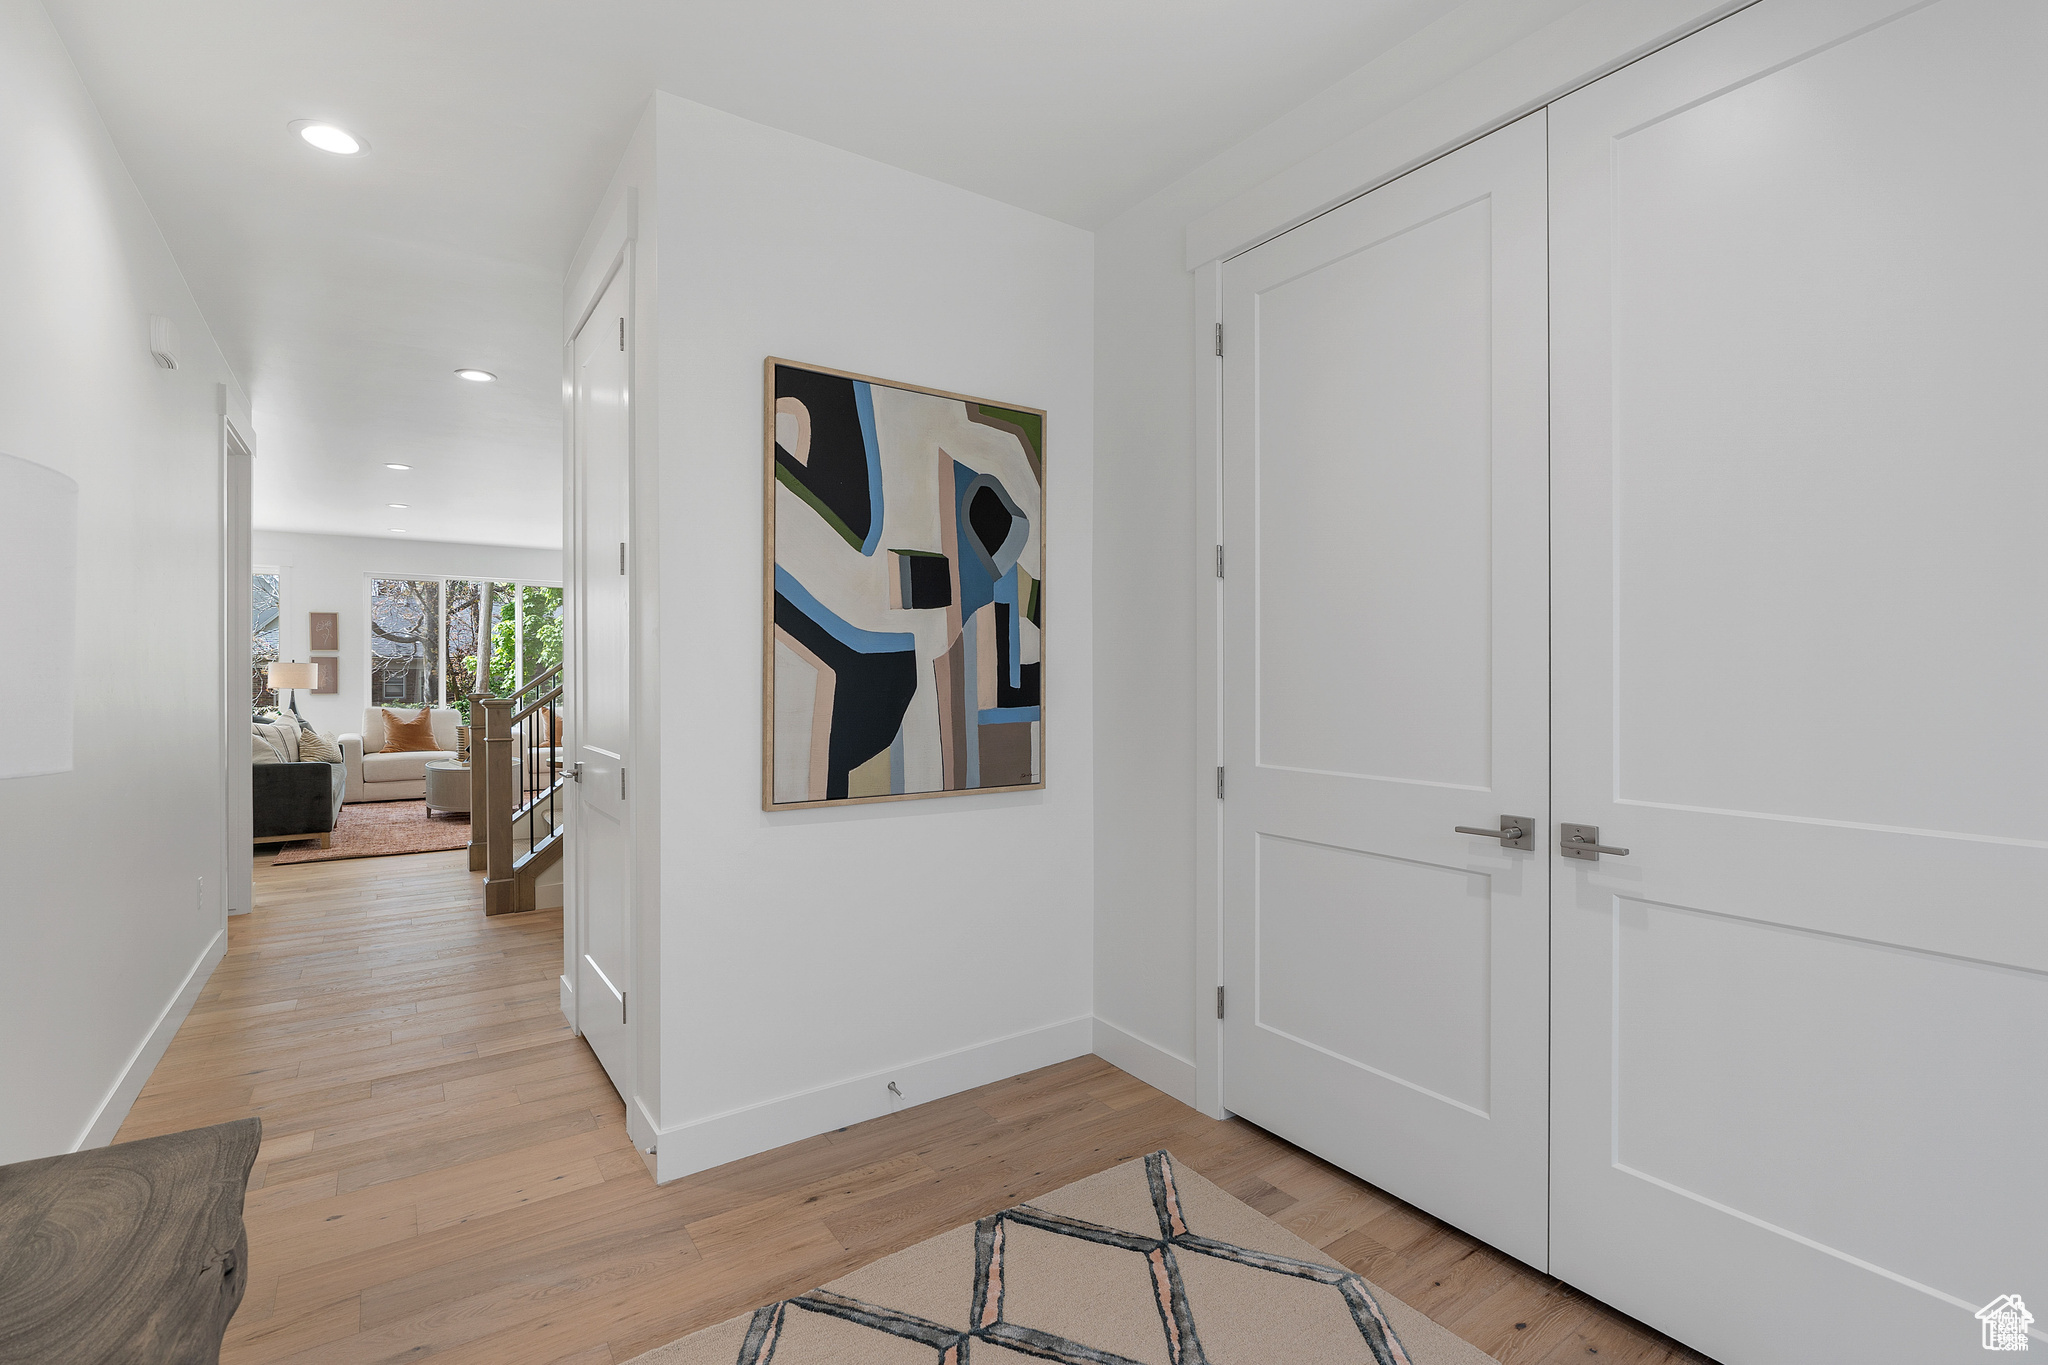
(1149, 1062)
(641, 1130)
(703, 1143)
(135, 1075)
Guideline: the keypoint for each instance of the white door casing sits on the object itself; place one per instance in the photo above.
(599, 682)
(1800, 664)
(238, 864)
(1385, 641)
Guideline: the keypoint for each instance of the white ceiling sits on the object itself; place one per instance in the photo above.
(346, 291)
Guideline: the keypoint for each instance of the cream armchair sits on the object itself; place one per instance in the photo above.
(374, 775)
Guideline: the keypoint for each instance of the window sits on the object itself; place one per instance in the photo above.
(425, 637)
(464, 599)
(266, 609)
(540, 630)
(504, 639)
(405, 641)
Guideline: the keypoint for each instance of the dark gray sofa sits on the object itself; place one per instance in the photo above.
(296, 801)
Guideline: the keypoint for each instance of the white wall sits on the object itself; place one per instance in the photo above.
(328, 573)
(1480, 65)
(807, 958)
(106, 928)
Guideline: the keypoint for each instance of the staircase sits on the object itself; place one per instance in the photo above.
(516, 780)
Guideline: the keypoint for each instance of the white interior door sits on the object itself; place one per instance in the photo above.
(1385, 640)
(599, 687)
(1800, 1031)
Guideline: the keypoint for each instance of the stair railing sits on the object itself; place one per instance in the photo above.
(516, 791)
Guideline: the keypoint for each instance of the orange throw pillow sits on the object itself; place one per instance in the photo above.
(415, 736)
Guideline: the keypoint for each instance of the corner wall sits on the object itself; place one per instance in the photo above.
(111, 910)
(810, 957)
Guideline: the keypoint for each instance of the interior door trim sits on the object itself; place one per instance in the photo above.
(574, 937)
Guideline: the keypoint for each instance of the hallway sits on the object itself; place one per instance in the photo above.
(413, 1072)
(445, 1171)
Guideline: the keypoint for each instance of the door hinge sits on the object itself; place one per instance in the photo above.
(622, 784)
(622, 558)
(1219, 1002)
(623, 1015)
(1219, 338)
(1219, 561)
(622, 334)
(1219, 782)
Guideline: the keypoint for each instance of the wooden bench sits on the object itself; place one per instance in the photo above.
(130, 1253)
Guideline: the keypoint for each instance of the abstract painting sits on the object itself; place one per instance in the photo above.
(904, 652)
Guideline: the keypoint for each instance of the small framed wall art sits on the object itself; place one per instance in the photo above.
(328, 677)
(903, 649)
(326, 630)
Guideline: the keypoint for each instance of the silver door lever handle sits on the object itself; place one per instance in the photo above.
(1515, 832)
(1583, 842)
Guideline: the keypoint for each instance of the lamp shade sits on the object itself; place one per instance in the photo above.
(294, 675)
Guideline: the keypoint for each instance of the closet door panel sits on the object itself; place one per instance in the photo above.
(1800, 658)
(1385, 642)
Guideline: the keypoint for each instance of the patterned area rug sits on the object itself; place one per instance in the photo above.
(376, 829)
(1144, 1264)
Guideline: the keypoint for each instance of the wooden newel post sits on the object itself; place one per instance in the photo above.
(479, 828)
(496, 813)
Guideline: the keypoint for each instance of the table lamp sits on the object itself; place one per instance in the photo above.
(294, 676)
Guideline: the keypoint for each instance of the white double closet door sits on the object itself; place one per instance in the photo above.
(1776, 1080)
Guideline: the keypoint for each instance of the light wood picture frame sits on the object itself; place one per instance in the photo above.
(325, 630)
(903, 591)
(328, 678)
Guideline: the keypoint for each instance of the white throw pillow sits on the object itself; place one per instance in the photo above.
(282, 736)
(261, 752)
(315, 747)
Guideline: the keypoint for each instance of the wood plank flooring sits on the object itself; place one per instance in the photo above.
(445, 1173)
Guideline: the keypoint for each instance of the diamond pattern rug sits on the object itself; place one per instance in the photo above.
(1144, 1264)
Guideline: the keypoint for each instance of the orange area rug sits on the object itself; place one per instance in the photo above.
(377, 829)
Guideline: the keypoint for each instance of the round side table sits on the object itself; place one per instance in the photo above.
(447, 787)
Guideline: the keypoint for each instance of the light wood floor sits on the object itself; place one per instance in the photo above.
(445, 1172)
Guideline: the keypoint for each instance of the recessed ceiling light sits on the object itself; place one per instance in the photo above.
(398, 466)
(477, 376)
(329, 138)
(398, 530)
(398, 506)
